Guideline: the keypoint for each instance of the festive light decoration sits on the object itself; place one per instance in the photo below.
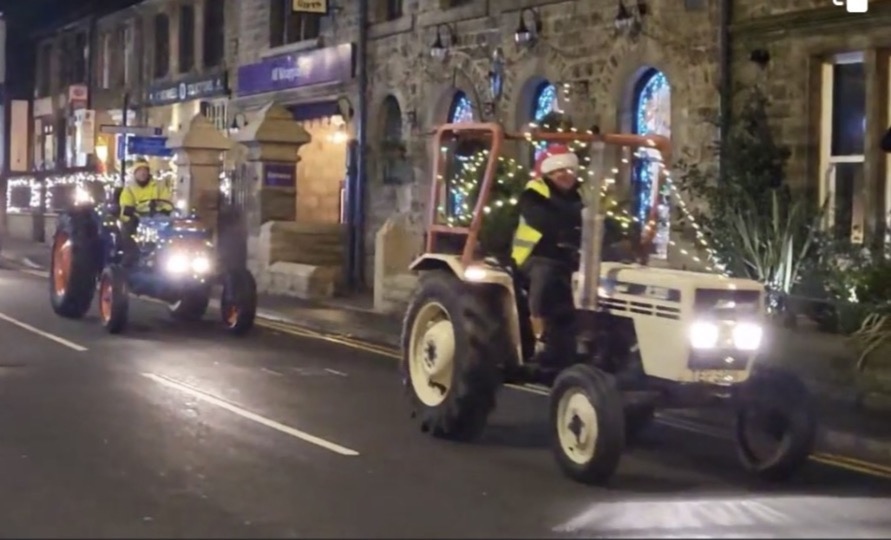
(462, 109)
(545, 103)
(652, 115)
(32, 186)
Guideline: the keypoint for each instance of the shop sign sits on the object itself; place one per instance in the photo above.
(298, 70)
(187, 90)
(280, 175)
(310, 6)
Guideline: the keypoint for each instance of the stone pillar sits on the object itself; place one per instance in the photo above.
(875, 213)
(198, 151)
(272, 141)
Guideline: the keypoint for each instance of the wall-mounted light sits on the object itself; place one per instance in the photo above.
(631, 21)
(411, 118)
(526, 34)
(339, 135)
(440, 49)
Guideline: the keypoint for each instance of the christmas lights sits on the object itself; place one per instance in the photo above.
(80, 179)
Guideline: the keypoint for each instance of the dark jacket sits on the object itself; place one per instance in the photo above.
(558, 219)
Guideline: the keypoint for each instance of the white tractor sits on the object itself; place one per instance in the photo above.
(648, 338)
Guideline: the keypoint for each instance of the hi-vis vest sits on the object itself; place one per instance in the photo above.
(526, 237)
(138, 197)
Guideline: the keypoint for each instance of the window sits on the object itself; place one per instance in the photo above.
(843, 119)
(187, 38)
(392, 140)
(105, 58)
(162, 45)
(287, 26)
(461, 109)
(214, 32)
(127, 54)
(544, 103)
(44, 70)
(79, 59)
(393, 9)
(652, 115)
(216, 113)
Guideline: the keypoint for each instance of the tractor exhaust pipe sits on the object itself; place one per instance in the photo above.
(592, 233)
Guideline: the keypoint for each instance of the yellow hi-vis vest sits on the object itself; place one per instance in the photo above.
(526, 237)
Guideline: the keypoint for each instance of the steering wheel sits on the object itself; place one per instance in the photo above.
(153, 207)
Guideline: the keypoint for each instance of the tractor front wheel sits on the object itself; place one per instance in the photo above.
(238, 305)
(114, 299)
(452, 337)
(588, 422)
(191, 306)
(776, 425)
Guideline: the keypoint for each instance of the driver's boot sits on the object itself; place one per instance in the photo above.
(550, 357)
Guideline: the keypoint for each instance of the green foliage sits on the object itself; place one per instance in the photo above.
(749, 217)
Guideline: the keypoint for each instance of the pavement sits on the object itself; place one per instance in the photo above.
(174, 430)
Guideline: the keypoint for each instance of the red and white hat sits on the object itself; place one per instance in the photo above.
(556, 157)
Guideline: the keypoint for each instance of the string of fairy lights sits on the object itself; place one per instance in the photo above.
(457, 210)
(32, 187)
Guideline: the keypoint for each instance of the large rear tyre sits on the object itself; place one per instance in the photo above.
(776, 425)
(72, 280)
(453, 336)
(114, 299)
(238, 305)
(192, 306)
(588, 422)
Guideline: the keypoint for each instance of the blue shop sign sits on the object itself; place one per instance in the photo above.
(297, 70)
(188, 90)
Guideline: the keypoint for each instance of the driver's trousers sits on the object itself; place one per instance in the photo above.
(551, 308)
(129, 248)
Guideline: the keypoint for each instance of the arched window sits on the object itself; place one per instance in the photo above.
(461, 109)
(543, 104)
(391, 139)
(652, 115)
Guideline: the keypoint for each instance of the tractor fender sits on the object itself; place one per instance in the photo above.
(482, 275)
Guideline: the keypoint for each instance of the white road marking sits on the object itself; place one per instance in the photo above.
(272, 372)
(244, 413)
(38, 273)
(335, 372)
(41, 333)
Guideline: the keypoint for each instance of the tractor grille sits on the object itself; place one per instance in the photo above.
(631, 307)
(718, 360)
(728, 304)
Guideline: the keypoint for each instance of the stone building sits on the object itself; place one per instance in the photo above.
(577, 60)
(826, 72)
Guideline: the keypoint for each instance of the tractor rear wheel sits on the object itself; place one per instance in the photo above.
(453, 336)
(72, 281)
(588, 420)
(238, 305)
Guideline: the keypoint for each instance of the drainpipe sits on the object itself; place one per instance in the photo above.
(357, 181)
(726, 80)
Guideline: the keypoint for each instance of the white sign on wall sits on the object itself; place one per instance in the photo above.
(310, 6)
(85, 141)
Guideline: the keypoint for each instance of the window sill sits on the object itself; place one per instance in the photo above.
(298, 46)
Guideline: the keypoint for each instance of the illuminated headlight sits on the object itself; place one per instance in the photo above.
(747, 336)
(475, 273)
(178, 264)
(704, 335)
(201, 265)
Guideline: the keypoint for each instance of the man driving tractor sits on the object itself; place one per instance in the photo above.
(545, 250)
(142, 197)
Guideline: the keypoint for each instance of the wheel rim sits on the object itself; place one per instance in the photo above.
(577, 426)
(231, 315)
(61, 263)
(431, 354)
(106, 299)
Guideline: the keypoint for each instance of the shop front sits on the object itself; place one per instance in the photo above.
(313, 86)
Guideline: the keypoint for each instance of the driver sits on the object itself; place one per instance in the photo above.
(545, 250)
(141, 197)
(137, 196)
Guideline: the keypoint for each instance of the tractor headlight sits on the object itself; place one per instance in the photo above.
(747, 336)
(178, 263)
(704, 335)
(201, 264)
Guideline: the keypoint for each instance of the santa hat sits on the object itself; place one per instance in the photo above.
(556, 157)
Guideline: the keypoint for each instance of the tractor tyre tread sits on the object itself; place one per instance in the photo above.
(75, 302)
(480, 339)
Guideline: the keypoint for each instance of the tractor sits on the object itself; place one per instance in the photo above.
(647, 338)
(174, 260)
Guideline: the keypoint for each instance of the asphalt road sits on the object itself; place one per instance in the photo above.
(179, 431)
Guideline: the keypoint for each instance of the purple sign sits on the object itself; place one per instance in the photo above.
(281, 175)
(296, 70)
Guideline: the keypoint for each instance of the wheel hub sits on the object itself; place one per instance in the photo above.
(431, 354)
(439, 349)
(577, 429)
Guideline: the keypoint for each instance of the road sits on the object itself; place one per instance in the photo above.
(179, 431)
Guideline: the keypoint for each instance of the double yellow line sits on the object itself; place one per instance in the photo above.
(833, 460)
